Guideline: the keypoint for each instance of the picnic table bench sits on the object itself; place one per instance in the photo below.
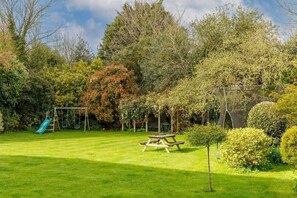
(161, 141)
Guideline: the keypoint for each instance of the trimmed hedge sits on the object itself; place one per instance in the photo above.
(246, 147)
(264, 116)
(288, 146)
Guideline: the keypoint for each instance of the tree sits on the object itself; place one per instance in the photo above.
(205, 136)
(69, 82)
(75, 49)
(41, 56)
(149, 41)
(226, 28)
(82, 51)
(286, 104)
(240, 54)
(105, 89)
(290, 48)
(132, 26)
(13, 76)
(37, 98)
(24, 22)
(169, 59)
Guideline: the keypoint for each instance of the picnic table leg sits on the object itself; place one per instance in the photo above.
(165, 145)
(146, 145)
(167, 150)
(176, 144)
(144, 148)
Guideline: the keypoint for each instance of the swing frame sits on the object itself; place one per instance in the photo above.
(86, 120)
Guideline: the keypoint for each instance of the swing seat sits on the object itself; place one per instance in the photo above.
(77, 126)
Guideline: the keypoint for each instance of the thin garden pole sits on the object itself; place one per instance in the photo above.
(209, 177)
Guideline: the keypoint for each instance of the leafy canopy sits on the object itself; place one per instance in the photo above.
(205, 135)
(105, 89)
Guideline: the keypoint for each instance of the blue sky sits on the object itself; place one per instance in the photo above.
(89, 18)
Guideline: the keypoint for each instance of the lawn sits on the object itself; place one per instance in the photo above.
(112, 164)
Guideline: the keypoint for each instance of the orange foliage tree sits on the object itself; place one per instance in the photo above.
(105, 89)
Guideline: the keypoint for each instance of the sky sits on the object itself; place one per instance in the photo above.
(89, 18)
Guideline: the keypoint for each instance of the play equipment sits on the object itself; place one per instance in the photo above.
(44, 125)
(71, 117)
(67, 121)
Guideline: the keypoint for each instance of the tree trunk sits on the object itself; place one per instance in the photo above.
(209, 177)
(146, 122)
(159, 120)
(172, 120)
(177, 123)
(123, 125)
(134, 125)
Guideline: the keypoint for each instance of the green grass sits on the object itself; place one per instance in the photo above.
(112, 164)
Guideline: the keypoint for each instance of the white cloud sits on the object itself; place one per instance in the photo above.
(236, 2)
(103, 9)
(106, 9)
(72, 29)
(195, 9)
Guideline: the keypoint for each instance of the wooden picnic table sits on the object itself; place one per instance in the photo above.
(163, 141)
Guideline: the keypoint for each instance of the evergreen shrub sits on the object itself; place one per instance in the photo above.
(246, 147)
(288, 146)
(264, 116)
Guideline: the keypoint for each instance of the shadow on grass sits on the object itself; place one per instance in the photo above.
(172, 149)
(189, 150)
(22, 176)
(281, 167)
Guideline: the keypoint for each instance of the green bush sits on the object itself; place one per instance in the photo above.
(286, 104)
(12, 121)
(264, 116)
(246, 147)
(1, 122)
(275, 156)
(289, 146)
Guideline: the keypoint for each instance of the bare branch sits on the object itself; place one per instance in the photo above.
(24, 16)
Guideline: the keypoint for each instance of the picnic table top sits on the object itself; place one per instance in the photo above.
(161, 136)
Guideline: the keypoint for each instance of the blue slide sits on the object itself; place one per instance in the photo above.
(44, 126)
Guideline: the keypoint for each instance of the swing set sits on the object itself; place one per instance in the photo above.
(71, 117)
